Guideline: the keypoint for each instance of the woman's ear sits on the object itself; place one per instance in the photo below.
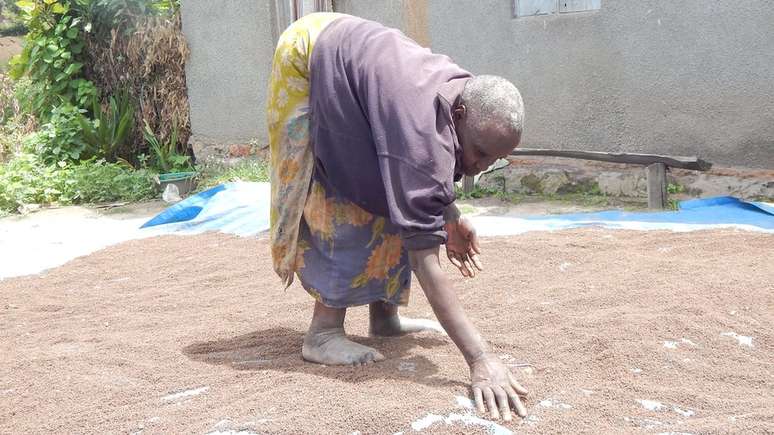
(459, 112)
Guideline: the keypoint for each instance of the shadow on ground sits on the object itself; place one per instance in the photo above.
(279, 349)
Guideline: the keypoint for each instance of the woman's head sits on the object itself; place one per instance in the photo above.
(489, 118)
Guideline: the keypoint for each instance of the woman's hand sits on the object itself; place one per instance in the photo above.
(496, 386)
(462, 246)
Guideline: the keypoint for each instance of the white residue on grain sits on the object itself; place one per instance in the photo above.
(184, 394)
(742, 339)
(466, 419)
(232, 432)
(651, 405)
(551, 403)
(464, 402)
(684, 413)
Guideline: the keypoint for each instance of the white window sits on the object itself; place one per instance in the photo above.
(529, 8)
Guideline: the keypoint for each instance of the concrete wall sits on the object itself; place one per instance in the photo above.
(688, 78)
(227, 74)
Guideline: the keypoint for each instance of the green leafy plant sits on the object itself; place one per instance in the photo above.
(109, 132)
(106, 16)
(98, 181)
(28, 180)
(61, 138)
(673, 188)
(51, 56)
(14, 125)
(165, 153)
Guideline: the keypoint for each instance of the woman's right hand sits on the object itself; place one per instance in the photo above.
(493, 384)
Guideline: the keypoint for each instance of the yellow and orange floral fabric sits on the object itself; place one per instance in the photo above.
(287, 114)
(348, 256)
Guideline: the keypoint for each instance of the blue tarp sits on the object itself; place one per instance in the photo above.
(236, 208)
(243, 209)
(706, 211)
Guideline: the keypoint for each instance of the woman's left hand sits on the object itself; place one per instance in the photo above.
(462, 247)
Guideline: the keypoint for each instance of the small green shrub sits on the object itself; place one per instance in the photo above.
(51, 57)
(14, 124)
(27, 180)
(166, 157)
(97, 181)
(61, 138)
(215, 173)
(109, 132)
(673, 188)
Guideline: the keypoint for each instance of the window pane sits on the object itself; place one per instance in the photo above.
(579, 5)
(527, 8)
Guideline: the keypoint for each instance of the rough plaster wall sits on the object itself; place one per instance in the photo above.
(387, 12)
(227, 74)
(688, 77)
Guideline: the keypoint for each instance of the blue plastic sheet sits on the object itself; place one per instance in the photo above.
(719, 210)
(237, 208)
(243, 208)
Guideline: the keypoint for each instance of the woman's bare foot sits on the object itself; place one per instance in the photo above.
(326, 343)
(332, 347)
(384, 321)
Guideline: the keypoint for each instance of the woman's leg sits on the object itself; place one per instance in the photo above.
(384, 321)
(326, 343)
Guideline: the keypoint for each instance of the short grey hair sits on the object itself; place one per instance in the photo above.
(493, 102)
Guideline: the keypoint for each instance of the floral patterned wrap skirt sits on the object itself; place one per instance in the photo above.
(343, 255)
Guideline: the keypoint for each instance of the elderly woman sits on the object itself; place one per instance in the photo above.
(368, 133)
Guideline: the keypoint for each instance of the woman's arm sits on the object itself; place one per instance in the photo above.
(491, 380)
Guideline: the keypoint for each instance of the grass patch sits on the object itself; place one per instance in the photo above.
(593, 198)
(215, 173)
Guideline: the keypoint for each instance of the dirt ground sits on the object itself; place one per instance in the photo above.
(10, 46)
(612, 331)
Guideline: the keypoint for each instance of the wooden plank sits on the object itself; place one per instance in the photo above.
(468, 183)
(657, 186)
(682, 162)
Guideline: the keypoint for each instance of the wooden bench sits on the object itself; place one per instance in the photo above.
(656, 167)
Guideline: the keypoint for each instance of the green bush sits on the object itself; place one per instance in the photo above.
(51, 57)
(15, 124)
(166, 156)
(27, 180)
(109, 132)
(98, 181)
(61, 138)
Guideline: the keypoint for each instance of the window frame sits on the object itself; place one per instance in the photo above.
(556, 8)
